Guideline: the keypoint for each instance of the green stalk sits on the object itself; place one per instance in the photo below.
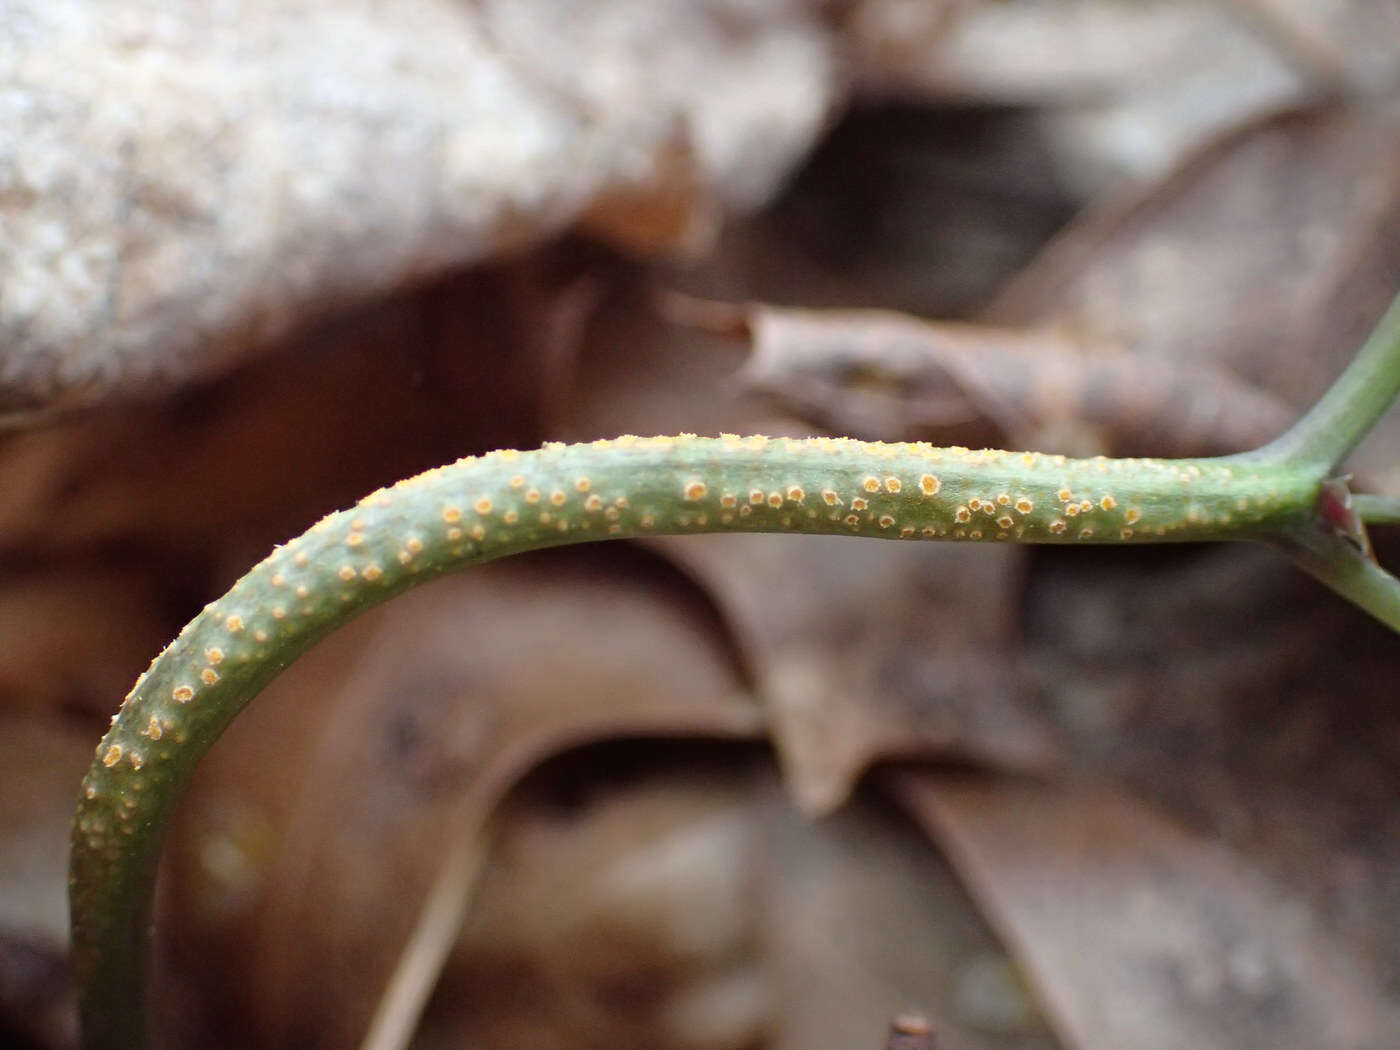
(508, 502)
(1350, 408)
(1350, 573)
(504, 503)
(1376, 510)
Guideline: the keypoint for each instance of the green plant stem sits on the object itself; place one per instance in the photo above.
(1350, 408)
(1376, 510)
(504, 503)
(1350, 573)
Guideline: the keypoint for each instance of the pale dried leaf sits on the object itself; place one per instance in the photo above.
(186, 182)
(680, 901)
(875, 374)
(1237, 255)
(1272, 251)
(621, 908)
(870, 651)
(865, 921)
(1128, 87)
(1136, 933)
(1244, 699)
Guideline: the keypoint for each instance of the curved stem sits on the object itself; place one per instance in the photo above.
(1350, 408)
(508, 502)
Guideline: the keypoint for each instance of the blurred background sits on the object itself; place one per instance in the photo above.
(257, 259)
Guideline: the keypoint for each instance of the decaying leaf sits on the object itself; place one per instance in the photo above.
(1271, 252)
(1125, 88)
(1277, 736)
(622, 906)
(1153, 327)
(691, 906)
(874, 652)
(886, 375)
(867, 920)
(1134, 932)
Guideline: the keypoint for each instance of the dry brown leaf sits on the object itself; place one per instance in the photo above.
(866, 920)
(681, 902)
(870, 651)
(621, 908)
(895, 377)
(1226, 267)
(1270, 252)
(1125, 88)
(1136, 933)
(1244, 699)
